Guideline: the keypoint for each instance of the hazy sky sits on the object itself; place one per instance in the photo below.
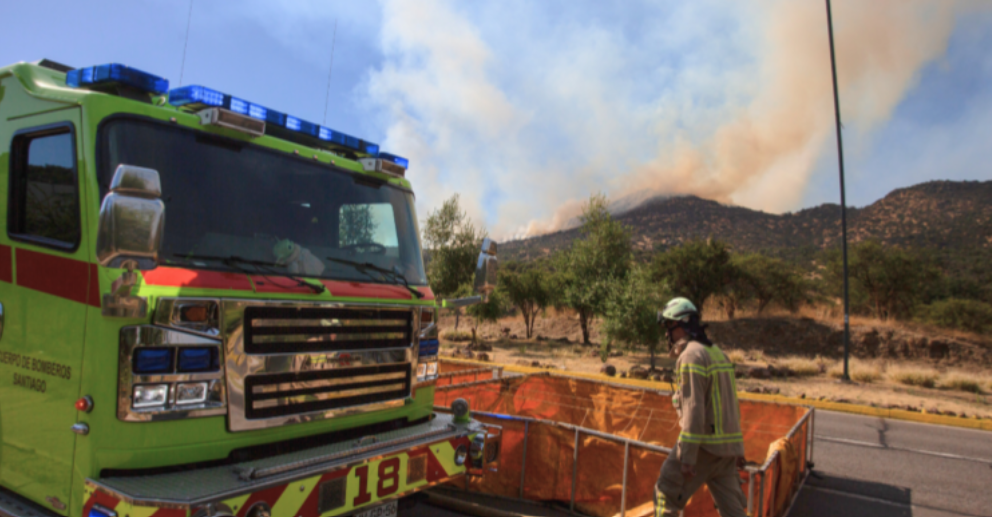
(525, 108)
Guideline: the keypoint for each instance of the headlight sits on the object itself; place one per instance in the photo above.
(150, 395)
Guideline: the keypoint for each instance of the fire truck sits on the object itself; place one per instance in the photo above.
(211, 308)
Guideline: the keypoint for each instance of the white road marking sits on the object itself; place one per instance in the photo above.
(916, 451)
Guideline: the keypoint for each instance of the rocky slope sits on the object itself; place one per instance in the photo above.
(938, 215)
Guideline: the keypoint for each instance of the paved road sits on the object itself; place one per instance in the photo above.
(867, 466)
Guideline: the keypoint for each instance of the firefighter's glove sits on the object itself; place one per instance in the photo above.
(741, 462)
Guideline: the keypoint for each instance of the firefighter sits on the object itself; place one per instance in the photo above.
(710, 447)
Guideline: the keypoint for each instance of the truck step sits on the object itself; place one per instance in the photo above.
(13, 505)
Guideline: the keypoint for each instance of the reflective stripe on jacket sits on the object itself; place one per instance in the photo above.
(706, 401)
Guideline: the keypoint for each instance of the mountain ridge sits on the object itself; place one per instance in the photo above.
(938, 214)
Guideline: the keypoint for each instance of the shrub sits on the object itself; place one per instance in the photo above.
(736, 356)
(962, 382)
(955, 313)
(914, 376)
(859, 371)
(456, 335)
(801, 366)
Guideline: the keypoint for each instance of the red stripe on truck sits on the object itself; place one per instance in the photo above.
(59, 276)
(364, 290)
(6, 264)
(181, 277)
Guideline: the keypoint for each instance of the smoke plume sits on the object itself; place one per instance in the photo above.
(526, 111)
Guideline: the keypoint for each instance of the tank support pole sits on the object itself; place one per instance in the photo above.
(771, 498)
(575, 470)
(623, 491)
(761, 492)
(750, 492)
(523, 459)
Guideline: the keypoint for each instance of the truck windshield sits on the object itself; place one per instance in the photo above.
(226, 198)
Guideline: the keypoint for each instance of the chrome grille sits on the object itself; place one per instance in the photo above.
(289, 361)
(280, 330)
(304, 392)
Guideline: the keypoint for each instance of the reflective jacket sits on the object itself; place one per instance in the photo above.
(706, 401)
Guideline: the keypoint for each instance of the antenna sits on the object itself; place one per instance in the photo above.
(189, 18)
(327, 96)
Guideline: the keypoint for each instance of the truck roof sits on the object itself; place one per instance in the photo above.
(45, 80)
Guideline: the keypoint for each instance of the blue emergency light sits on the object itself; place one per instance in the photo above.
(402, 162)
(152, 360)
(198, 359)
(429, 347)
(202, 97)
(115, 73)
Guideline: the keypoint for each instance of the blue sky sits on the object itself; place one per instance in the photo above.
(526, 108)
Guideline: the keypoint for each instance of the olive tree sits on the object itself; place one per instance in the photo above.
(528, 289)
(587, 270)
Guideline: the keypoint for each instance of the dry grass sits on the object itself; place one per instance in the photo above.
(456, 335)
(913, 376)
(860, 371)
(736, 356)
(962, 382)
(801, 366)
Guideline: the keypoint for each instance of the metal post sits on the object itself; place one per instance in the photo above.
(523, 460)
(761, 493)
(750, 492)
(771, 498)
(575, 470)
(623, 491)
(812, 430)
(843, 198)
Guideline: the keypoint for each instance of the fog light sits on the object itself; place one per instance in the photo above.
(191, 393)
(150, 395)
(421, 370)
(432, 368)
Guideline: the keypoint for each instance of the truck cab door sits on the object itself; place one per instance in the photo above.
(45, 275)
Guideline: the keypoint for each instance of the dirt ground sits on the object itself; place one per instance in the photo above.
(557, 344)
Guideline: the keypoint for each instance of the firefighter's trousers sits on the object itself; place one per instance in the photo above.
(673, 491)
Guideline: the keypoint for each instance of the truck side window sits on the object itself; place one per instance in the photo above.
(44, 192)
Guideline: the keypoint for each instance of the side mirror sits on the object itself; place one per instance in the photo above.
(132, 220)
(486, 268)
(485, 277)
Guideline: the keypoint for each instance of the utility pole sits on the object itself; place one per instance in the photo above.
(843, 198)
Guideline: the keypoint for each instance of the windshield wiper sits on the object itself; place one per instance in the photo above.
(393, 277)
(234, 260)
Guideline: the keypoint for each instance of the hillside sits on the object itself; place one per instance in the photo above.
(942, 215)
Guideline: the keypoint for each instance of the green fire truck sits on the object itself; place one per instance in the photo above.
(211, 308)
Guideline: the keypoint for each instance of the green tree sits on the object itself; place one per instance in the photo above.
(970, 315)
(757, 278)
(452, 244)
(526, 288)
(587, 270)
(696, 270)
(490, 311)
(887, 281)
(631, 313)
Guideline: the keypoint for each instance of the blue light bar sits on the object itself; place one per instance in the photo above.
(254, 110)
(300, 125)
(153, 360)
(402, 162)
(195, 95)
(198, 359)
(115, 73)
(199, 96)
